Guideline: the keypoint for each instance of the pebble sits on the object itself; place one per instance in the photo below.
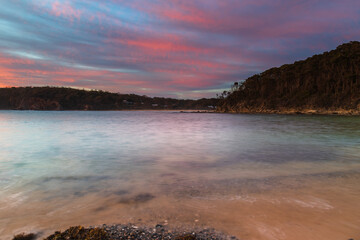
(161, 232)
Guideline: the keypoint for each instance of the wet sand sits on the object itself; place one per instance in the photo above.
(325, 206)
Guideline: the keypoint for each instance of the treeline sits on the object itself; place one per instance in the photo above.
(325, 83)
(61, 98)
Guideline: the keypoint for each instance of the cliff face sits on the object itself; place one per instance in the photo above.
(326, 83)
(53, 98)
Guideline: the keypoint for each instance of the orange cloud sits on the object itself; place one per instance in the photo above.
(20, 72)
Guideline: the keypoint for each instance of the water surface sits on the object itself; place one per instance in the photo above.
(253, 176)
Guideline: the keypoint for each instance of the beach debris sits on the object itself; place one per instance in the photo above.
(80, 233)
(24, 236)
(129, 231)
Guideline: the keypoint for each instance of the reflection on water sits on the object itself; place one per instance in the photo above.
(253, 176)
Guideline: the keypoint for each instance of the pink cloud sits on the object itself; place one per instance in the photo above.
(168, 45)
(66, 10)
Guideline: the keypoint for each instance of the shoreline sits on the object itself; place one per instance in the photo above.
(130, 231)
(319, 112)
(308, 112)
(117, 110)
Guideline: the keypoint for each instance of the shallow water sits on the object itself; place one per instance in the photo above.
(253, 176)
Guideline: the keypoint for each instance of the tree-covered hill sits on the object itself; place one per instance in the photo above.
(55, 98)
(326, 83)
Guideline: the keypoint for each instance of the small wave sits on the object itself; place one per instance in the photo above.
(13, 200)
(244, 198)
(271, 232)
(311, 203)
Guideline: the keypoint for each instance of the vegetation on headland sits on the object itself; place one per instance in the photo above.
(326, 83)
(61, 98)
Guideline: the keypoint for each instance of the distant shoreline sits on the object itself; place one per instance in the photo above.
(247, 112)
(57, 98)
(298, 112)
(118, 110)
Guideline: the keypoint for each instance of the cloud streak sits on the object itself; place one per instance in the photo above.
(171, 48)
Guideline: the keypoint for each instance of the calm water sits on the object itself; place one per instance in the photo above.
(253, 176)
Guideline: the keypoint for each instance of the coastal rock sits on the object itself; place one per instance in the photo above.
(122, 232)
(24, 236)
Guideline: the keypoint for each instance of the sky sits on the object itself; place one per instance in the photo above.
(169, 48)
